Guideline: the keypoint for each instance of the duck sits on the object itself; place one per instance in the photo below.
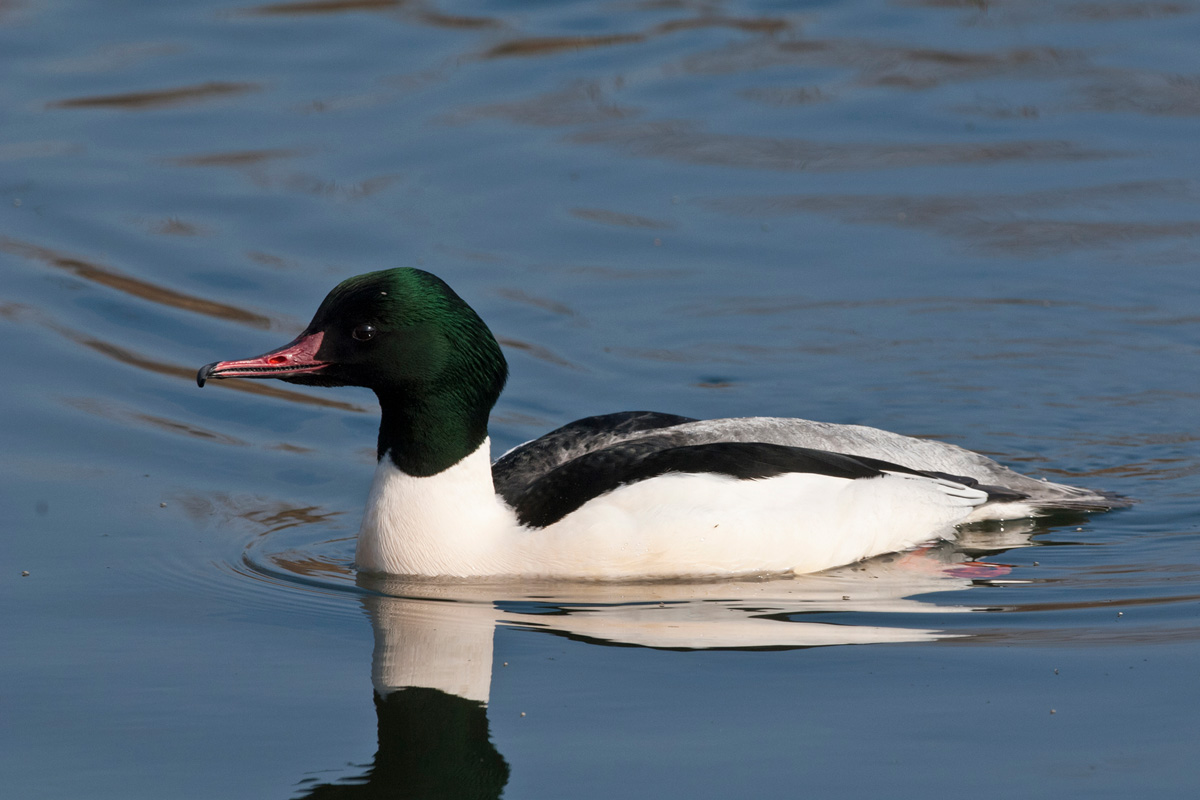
(627, 495)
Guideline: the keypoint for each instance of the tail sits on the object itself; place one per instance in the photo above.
(1043, 499)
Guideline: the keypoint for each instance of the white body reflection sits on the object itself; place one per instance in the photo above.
(438, 635)
(432, 663)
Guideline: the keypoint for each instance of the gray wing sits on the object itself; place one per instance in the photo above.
(517, 469)
(907, 451)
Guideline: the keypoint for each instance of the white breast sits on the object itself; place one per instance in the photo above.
(451, 523)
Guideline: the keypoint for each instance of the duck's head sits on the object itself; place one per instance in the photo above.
(404, 334)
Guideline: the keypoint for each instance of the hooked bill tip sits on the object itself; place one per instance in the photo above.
(205, 371)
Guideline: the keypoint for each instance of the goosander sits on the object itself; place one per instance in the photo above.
(627, 495)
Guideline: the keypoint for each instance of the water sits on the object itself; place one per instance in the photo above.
(972, 221)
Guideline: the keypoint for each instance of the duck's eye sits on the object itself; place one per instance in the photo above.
(364, 332)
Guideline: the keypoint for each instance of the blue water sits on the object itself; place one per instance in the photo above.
(978, 222)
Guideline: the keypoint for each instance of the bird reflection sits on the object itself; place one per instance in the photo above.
(432, 745)
(431, 668)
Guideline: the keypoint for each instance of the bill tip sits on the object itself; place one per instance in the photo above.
(202, 375)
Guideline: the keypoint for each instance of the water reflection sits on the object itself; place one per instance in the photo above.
(235, 158)
(325, 7)
(1003, 222)
(420, 12)
(579, 103)
(689, 143)
(552, 45)
(433, 659)
(159, 98)
(881, 64)
(134, 287)
(620, 219)
(432, 665)
(132, 358)
(129, 416)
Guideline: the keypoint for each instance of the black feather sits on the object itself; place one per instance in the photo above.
(515, 471)
(567, 487)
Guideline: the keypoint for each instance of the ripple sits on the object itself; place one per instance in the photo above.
(158, 98)
(324, 7)
(299, 560)
(689, 143)
(134, 287)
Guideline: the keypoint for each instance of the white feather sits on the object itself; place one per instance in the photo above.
(454, 524)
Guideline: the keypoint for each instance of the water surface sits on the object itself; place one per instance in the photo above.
(978, 222)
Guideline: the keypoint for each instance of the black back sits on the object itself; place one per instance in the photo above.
(513, 473)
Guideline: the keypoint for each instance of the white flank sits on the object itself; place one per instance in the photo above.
(454, 524)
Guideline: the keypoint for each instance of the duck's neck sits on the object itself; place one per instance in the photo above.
(448, 523)
(426, 436)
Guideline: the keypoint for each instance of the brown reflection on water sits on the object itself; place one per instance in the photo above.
(543, 303)
(1026, 12)
(538, 352)
(747, 24)
(1119, 11)
(130, 358)
(517, 419)
(879, 64)
(607, 217)
(117, 413)
(13, 311)
(235, 158)
(737, 305)
(1002, 222)
(1145, 93)
(695, 354)
(113, 57)
(173, 226)
(269, 260)
(282, 518)
(1126, 625)
(580, 103)
(1118, 633)
(421, 12)
(324, 7)
(159, 98)
(266, 515)
(135, 287)
(442, 20)
(551, 45)
(305, 183)
(254, 163)
(689, 143)
(298, 563)
(782, 96)
(1154, 469)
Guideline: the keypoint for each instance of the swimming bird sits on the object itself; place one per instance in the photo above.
(627, 495)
